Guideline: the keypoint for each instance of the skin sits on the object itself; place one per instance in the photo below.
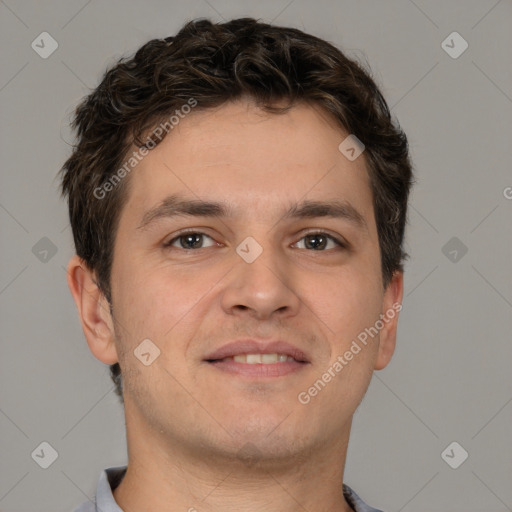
(186, 420)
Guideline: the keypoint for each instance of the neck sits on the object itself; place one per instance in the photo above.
(165, 476)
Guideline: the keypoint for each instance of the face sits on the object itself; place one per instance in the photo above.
(286, 261)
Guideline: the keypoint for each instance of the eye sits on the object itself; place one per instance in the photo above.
(193, 240)
(190, 240)
(319, 242)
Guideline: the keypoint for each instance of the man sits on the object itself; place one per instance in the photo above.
(238, 199)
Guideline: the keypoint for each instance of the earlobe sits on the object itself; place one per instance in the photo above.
(391, 306)
(93, 310)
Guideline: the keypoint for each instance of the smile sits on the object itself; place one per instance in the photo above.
(259, 358)
(258, 365)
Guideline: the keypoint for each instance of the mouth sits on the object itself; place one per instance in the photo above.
(252, 359)
(257, 359)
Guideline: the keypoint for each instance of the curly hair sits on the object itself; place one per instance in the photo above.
(213, 64)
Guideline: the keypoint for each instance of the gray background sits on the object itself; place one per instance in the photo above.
(450, 379)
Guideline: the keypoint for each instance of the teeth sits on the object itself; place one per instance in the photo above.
(260, 358)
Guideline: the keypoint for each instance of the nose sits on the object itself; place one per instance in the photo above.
(262, 289)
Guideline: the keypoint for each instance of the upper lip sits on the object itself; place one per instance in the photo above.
(248, 346)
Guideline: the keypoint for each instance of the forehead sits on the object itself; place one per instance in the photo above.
(252, 160)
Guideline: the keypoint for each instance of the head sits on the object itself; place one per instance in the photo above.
(251, 116)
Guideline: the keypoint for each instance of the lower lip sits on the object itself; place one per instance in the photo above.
(259, 369)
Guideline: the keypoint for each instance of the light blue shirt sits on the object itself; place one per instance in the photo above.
(111, 477)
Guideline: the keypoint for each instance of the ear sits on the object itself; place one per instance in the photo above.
(93, 309)
(391, 306)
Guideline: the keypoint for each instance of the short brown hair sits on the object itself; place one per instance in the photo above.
(213, 64)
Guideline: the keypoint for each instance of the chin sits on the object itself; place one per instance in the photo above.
(270, 438)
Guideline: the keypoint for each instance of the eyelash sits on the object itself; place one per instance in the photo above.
(168, 245)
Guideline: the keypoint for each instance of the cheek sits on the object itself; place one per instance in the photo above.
(152, 301)
(348, 302)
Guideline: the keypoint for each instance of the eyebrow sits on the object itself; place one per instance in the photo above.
(176, 205)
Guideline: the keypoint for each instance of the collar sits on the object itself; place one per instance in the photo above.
(111, 477)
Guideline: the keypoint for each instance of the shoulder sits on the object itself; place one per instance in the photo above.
(356, 502)
(88, 506)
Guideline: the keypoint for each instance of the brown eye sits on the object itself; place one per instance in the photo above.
(189, 241)
(319, 242)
